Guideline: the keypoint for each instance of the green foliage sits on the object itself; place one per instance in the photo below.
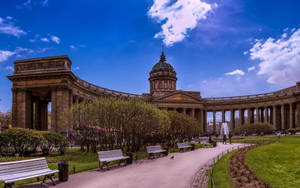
(292, 131)
(20, 141)
(182, 126)
(53, 140)
(281, 159)
(26, 141)
(255, 128)
(5, 119)
(128, 123)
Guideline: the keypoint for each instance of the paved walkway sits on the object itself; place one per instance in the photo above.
(158, 173)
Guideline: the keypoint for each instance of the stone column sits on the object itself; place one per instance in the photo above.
(249, 116)
(214, 121)
(298, 113)
(223, 115)
(22, 108)
(292, 116)
(28, 110)
(271, 116)
(193, 113)
(274, 117)
(241, 117)
(266, 118)
(262, 114)
(76, 99)
(43, 115)
(282, 117)
(257, 115)
(200, 114)
(37, 114)
(14, 109)
(232, 119)
(53, 109)
(184, 110)
(204, 119)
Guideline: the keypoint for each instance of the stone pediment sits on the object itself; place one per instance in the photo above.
(178, 96)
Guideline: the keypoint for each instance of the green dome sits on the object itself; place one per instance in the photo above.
(162, 65)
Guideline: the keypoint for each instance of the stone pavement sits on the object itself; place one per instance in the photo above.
(158, 173)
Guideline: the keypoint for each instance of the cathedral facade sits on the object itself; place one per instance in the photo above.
(39, 81)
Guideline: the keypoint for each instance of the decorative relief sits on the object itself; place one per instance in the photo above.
(180, 97)
(41, 66)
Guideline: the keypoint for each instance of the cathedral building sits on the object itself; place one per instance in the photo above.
(42, 81)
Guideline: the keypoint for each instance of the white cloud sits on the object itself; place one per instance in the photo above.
(236, 72)
(251, 68)
(75, 47)
(29, 4)
(55, 39)
(5, 54)
(45, 2)
(178, 17)
(10, 68)
(8, 27)
(9, 17)
(229, 86)
(279, 59)
(245, 53)
(76, 68)
(44, 39)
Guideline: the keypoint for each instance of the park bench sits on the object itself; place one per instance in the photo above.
(10, 172)
(183, 145)
(152, 150)
(105, 157)
(205, 142)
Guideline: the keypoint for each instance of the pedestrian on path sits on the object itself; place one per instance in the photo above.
(224, 139)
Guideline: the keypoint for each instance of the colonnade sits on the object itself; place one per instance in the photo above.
(281, 116)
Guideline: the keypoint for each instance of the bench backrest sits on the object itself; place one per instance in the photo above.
(110, 154)
(23, 166)
(153, 148)
(183, 145)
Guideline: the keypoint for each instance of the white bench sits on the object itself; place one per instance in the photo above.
(10, 172)
(105, 157)
(183, 146)
(152, 150)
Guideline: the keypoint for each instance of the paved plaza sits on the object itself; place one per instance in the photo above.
(162, 172)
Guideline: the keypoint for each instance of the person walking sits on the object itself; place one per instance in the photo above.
(230, 135)
(224, 139)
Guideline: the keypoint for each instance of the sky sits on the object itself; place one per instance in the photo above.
(217, 47)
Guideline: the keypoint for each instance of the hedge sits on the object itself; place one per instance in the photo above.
(26, 141)
(256, 128)
(53, 140)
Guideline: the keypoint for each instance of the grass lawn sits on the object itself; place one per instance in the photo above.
(277, 164)
(255, 139)
(80, 161)
(221, 175)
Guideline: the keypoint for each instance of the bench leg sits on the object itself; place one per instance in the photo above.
(50, 177)
(8, 185)
(105, 164)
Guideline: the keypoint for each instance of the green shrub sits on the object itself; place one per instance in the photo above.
(20, 141)
(292, 131)
(53, 140)
(256, 128)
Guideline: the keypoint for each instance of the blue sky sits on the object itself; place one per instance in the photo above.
(217, 47)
